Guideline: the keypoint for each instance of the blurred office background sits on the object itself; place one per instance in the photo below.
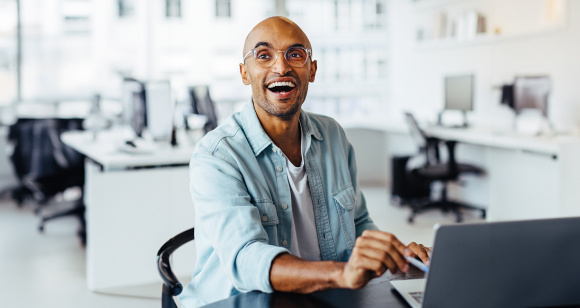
(65, 66)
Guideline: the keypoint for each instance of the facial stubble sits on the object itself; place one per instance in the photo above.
(270, 108)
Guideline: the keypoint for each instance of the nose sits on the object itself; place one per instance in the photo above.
(281, 66)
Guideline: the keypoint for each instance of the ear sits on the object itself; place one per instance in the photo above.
(244, 73)
(313, 68)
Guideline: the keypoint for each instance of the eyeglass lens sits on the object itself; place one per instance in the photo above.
(266, 56)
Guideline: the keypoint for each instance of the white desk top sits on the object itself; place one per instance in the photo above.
(473, 135)
(105, 152)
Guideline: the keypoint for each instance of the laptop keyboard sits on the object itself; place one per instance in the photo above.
(418, 296)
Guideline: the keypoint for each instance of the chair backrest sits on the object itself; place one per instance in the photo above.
(202, 103)
(171, 285)
(427, 145)
(42, 162)
(416, 133)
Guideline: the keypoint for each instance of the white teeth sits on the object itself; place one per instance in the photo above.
(281, 84)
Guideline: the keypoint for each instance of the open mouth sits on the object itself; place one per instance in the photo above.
(281, 88)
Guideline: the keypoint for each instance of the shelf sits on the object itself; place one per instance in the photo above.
(433, 4)
(487, 39)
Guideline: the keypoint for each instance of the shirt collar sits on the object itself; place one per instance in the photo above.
(258, 138)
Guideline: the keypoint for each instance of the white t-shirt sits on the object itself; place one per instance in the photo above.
(304, 238)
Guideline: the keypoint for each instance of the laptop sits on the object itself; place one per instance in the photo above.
(533, 263)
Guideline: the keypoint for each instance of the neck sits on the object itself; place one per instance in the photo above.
(284, 133)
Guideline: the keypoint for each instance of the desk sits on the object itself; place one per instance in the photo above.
(103, 150)
(376, 294)
(527, 177)
(134, 204)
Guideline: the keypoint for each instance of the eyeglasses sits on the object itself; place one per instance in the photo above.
(266, 56)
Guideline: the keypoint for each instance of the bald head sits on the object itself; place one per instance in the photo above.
(272, 30)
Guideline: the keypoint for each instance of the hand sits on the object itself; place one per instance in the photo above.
(374, 252)
(418, 250)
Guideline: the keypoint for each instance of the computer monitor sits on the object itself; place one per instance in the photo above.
(202, 104)
(531, 93)
(459, 93)
(160, 108)
(133, 99)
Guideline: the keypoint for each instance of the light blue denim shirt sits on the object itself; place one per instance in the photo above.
(238, 184)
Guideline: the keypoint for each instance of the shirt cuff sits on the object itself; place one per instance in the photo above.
(267, 283)
(258, 259)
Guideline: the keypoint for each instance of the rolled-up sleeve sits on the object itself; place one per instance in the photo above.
(231, 222)
(362, 219)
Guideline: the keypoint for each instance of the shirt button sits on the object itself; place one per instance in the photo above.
(284, 243)
(273, 149)
(284, 206)
(264, 218)
(279, 168)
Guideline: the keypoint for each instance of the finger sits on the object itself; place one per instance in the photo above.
(385, 237)
(410, 250)
(419, 251)
(385, 246)
(380, 255)
(364, 262)
(428, 250)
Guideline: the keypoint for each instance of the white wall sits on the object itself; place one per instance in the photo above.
(417, 73)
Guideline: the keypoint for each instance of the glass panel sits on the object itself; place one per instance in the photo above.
(350, 42)
(8, 70)
(223, 8)
(126, 8)
(173, 8)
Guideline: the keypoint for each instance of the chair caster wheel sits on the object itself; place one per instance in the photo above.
(411, 219)
(483, 214)
(41, 228)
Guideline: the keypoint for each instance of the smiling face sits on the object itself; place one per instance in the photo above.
(281, 88)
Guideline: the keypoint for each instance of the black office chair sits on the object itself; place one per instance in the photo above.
(434, 170)
(46, 167)
(171, 285)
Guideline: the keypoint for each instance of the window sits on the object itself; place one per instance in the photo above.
(173, 8)
(349, 40)
(126, 8)
(8, 53)
(77, 24)
(223, 8)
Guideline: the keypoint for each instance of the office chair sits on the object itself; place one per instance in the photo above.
(46, 167)
(201, 103)
(171, 285)
(434, 170)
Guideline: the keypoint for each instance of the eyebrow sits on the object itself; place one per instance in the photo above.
(268, 45)
(297, 45)
(262, 44)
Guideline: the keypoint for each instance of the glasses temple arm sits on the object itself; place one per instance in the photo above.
(249, 52)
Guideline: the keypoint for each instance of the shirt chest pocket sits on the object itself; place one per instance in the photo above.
(267, 210)
(345, 201)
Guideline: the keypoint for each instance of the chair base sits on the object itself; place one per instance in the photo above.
(79, 211)
(446, 206)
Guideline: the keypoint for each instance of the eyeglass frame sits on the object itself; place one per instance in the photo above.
(308, 54)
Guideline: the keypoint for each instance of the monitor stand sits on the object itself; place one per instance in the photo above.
(465, 124)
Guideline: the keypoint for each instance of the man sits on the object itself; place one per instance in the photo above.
(278, 205)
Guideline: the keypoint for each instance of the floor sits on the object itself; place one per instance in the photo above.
(48, 270)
